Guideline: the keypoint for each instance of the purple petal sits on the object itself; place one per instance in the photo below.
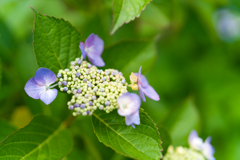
(44, 76)
(129, 103)
(194, 141)
(141, 94)
(82, 48)
(96, 60)
(208, 149)
(192, 135)
(133, 119)
(151, 93)
(48, 96)
(33, 89)
(142, 80)
(208, 140)
(94, 45)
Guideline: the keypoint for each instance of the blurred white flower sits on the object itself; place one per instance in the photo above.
(227, 25)
(197, 143)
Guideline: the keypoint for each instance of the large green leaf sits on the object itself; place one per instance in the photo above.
(181, 120)
(141, 143)
(125, 11)
(6, 129)
(43, 138)
(55, 42)
(127, 56)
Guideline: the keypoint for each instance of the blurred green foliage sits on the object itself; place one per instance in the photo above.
(194, 69)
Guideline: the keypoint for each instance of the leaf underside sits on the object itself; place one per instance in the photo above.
(55, 42)
(125, 11)
(141, 143)
(43, 138)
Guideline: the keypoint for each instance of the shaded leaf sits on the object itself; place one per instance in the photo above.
(126, 11)
(141, 143)
(181, 120)
(76, 154)
(166, 139)
(55, 42)
(127, 56)
(6, 129)
(43, 138)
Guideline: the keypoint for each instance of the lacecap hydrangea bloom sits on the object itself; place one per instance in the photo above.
(92, 88)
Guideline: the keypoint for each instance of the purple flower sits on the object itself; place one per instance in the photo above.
(143, 87)
(93, 48)
(208, 149)
(129, 104)
(204, 147)
(194, 141)
(38, 87)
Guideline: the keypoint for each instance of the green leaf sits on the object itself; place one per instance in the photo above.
(6, 129)
(55, 42)
(141, 143)
(128, 55)
(42, 138)
(125, 11)
(181, 120)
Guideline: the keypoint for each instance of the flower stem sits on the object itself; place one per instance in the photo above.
(53, 86)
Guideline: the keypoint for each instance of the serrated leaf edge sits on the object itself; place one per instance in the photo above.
(161, 149)
(60, 127)
(32, 8)
(112, 32)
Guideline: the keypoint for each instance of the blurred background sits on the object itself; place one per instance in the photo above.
(197, 69)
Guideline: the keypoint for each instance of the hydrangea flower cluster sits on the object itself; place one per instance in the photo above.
(182, 153)
(198, 150)
(91, 87)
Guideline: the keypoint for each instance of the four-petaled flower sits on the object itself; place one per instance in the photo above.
(143, 87)
(129, 104)
(38, 87)
(204, 147)
(93, 48)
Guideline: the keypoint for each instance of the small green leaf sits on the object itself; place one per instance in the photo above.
(181, 120)
(141, 143)
(55, 42)
(127, 56)
(125, 11)
(6, 129)
(42, 138)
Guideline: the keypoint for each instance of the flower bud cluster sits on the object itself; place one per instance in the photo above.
(91, 87)
(182, 153)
